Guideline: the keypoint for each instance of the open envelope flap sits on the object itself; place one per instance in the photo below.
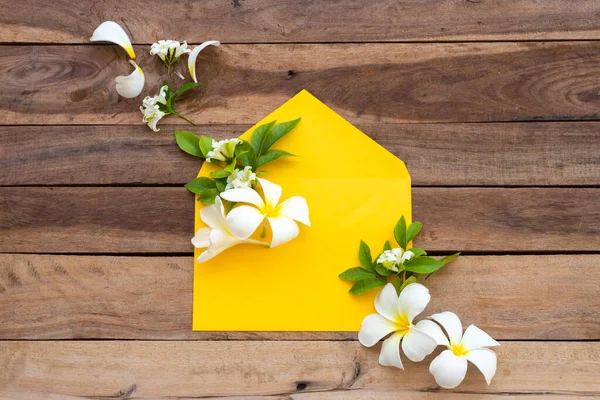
(355, 190)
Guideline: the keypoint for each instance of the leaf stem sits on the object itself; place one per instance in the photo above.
(182, 117)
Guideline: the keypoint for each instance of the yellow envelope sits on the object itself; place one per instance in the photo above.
(355, 189)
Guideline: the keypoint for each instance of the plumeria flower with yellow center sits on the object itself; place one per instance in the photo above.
(194, 54)
(110, 31)
(131, 86)
(244, 220)
(394, 316)
(450, 367)
(241, 178)
(223, 150)
(217, 237)
(169, 51)
(391, 259)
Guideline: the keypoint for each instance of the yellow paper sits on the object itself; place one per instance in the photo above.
(355, 190)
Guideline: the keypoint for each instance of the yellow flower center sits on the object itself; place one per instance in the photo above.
(403, 324)
(459, 350)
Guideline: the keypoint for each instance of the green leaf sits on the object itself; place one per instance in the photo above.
(407, 282)
(448, 259)
(423, 265)
(205, 145)
(271, 155)
(221, 185)
(363, 286)
(355, 274)
(400, 233)
(413, 230)
(231, 167)
(387, 246)
(259, 136)
(417, 251)
(364, 256)
(199, 185)
(220, 174)
(245, 154)
(208, 196)
(185, 87)
(397, 282)
(383, 271)
(189, 143)
(278, 132)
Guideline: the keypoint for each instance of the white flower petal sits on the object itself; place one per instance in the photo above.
(131, 86)
(272, 192)
(475, 338)
(486, 361)
(219, 242)
(390, 351)
(451, 324)
(448, 369)
(373, 328)
(243, 221)
(295, 208)
(201, 239)
(386, 302)
(413, 300)
(244, 195)
(194, 54)
(214, 215)
(434, 331)
(417, 345)
(110, 31)
(284, 229)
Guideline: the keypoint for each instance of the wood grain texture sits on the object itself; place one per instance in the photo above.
(100, 297)
(276, 370)
(437, 154)
(363, 82)
(249, 21)
(160, 220)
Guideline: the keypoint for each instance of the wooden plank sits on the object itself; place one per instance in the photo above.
(435, 82)
(64, 21)
(437, 154)
(280, 370)
(87, 297)
(160, 220)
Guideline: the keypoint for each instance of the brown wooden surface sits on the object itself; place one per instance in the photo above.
(560, 153)
(70, 297)
(493, 105)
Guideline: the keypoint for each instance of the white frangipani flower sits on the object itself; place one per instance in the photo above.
(131, 86)
(169, 51)
(450, 367)
(151, 110)
(110, 31)
(241, 178)
(194, 54)
(395, 315)
(243, 220)
(390, 259)
(223, 149)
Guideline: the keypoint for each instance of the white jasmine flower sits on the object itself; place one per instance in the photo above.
(390, 259)
(243, 220)
(240, 179)
(395, 315)
(194, 55)
(110, 31)
(450, 367)
(169, 51)
(131, 86)
(223, 149)
(151, 110)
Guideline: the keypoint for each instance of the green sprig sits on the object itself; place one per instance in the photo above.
(168, 107)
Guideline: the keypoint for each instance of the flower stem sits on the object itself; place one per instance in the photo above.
(182, 117)
(252, 241)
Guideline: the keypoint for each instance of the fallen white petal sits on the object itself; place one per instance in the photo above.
(131, 86)
(417, 345)
(386, 302)
(110, 31)
(214, 215)
(194, 54)
(244, 195)
(434, 331)
(201, 239)
(486, 361)
(451, 324)
(243, 221)
(284, 229)
(390, 351)
(448, 369)
(295, 208)
(413, 300)
(475, 338)
(272, 192)
(374, 327)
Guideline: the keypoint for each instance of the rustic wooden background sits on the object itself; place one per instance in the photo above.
(494, 106)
